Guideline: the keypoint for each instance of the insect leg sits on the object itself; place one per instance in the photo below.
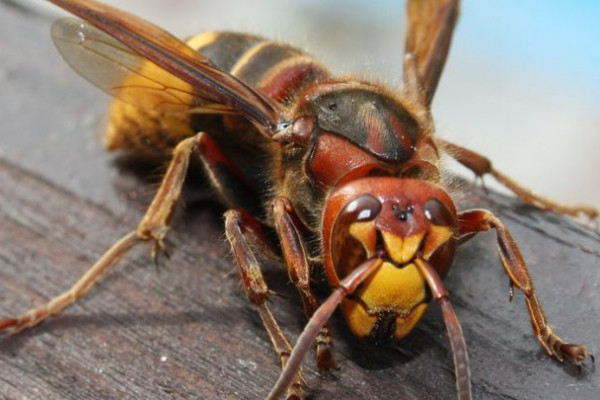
(153, 227)
(243, 231)
(298, 267)
(77, 291)
(346, 287)
(473, 221)
(481, 166)
(155, 224)
(230, 183)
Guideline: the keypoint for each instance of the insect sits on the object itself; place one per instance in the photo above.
(344, 171)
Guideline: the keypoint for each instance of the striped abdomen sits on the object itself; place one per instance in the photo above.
(277, 69)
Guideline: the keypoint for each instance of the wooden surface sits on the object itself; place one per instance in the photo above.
(185, 330)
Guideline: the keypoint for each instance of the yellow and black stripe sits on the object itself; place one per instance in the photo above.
(279, 70)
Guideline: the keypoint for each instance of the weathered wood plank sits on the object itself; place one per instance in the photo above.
(186, 329)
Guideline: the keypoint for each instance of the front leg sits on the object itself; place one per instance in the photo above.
(473, 221)
(298, 266)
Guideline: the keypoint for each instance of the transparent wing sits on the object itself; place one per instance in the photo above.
(122, 73)
(174, 56)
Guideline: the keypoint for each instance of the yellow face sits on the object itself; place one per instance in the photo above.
(392, 301)
(405, 221)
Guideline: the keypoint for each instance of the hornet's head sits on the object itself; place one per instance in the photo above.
(397, 220)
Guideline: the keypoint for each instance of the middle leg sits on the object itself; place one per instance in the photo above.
(481, 166)
(243, 233)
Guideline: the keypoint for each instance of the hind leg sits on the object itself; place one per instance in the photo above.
(152, 228)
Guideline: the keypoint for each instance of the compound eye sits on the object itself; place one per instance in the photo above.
(353, 238)
(363, 208)
(437, 213)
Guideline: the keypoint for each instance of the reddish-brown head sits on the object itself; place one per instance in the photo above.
(396, 220)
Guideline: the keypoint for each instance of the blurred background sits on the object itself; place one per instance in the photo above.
(522, 85)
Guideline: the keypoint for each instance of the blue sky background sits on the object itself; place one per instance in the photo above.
(561, 34)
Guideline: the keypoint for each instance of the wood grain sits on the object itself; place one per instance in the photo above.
(184, 330)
